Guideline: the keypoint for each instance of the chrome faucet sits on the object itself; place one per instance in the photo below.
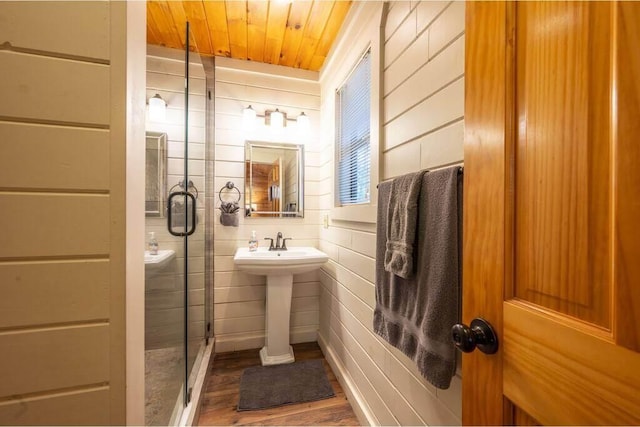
(278, 239)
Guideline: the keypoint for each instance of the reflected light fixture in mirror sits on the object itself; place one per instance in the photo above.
(157, 108)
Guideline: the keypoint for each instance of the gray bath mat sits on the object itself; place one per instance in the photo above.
(264, 387)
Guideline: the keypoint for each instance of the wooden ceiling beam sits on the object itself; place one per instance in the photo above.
(198, 24)
(296, 34)
(237, 24)
(216, 16)
(276, 26)
(334, 23)
(257, 12)
(162, 17)
(298, 15)
(179, 20)
(318, 18)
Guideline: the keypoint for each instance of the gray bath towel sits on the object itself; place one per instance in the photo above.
(417, 315)
(401, 227)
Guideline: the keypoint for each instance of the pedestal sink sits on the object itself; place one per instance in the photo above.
(279, 267)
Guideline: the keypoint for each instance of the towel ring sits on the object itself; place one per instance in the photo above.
(188, 190)
(229, 186)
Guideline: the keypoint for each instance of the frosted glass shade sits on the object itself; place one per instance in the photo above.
(248, 118)
(157, 109)
(303, 123)
(277, 119)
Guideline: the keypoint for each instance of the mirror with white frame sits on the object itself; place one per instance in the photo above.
(274, 180)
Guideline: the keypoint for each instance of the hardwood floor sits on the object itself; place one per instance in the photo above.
(223, 384)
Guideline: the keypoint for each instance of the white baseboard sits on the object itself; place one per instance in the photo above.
(360, 408)
(191, 412)
(238, 342)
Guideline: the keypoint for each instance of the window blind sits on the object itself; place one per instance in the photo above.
(353, 149)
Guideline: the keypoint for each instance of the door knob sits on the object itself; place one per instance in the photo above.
(480, 335)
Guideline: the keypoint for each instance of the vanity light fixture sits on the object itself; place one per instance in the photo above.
(303, 123)
(275, 119)
(248, 117)
(157, 108)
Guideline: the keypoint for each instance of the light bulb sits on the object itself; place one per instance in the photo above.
(303, 123)
(277, 119)
(248, 118)
(157, 109)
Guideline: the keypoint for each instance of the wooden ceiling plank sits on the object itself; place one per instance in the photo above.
(179, 20)
(237, 24)
(318, 19)
(276, 25)
(334, 23)
(296, 24)
(153, 35)
(257, 12)
(164, 21)
(198, 26)
(216, 15)
(317, 62)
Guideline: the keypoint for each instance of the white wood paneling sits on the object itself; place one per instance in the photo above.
(402, 37)
(261, 80)
(38, 293)
(423, 86)
(79, 407)
(164, 65)
(174, 83)
(53, 27)
(442, 108)
(400, 159)
(65, 357)
(68, 114)
(447, 27)
(82, 88)
(53, 157)
(76, 225)
(398, 11)
(261, 95)
(442, 70)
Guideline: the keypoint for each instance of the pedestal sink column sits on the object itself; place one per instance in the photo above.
(277, 349)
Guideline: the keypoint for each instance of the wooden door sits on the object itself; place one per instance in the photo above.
(552, 212)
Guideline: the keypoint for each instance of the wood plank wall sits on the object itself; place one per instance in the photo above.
(62, 204)
(164, 295)
(239, 298)
(422, 127)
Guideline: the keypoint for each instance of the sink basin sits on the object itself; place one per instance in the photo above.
(279, 267)
(295, 260)
(154, 263)
(163, 256)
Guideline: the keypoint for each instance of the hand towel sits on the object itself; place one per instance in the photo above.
(416, 315)
(401, 224)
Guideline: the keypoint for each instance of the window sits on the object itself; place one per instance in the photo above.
(353, 131)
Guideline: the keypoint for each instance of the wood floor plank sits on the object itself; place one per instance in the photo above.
(222, 389)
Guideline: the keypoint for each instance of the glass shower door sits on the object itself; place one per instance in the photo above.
(195, 98)
(174, 289)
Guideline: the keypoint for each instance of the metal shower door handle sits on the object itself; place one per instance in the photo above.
(170, 214)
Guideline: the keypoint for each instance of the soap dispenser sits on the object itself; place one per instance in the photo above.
(253, 242)
(153, 243)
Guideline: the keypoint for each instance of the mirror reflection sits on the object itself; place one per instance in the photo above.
(274, 180)
(155, 173)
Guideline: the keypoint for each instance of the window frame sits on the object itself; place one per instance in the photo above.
(371, 41)
(356, 144)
